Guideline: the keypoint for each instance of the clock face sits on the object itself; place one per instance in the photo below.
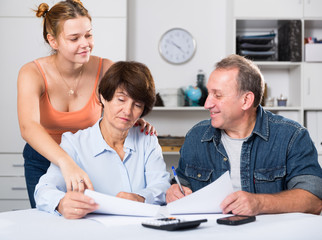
(177, 46)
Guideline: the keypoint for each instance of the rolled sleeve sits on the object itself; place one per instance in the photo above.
(304, 171)
(310, 183)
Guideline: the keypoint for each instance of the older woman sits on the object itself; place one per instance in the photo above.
(119, 160)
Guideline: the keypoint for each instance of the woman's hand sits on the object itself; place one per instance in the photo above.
(75, 178)
(76, 205)
(131, 196)
(146, 127)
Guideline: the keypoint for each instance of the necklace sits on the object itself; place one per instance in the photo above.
(71, 91)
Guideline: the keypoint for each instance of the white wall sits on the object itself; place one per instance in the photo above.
(204, 19)
(147, 21)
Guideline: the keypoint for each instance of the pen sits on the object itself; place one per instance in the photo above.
(177, 180)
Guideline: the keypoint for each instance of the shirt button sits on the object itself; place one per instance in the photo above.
(225, 159)
(199, 175)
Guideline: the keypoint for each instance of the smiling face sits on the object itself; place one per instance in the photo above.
(224, 101)
(75, 41)
(122, 112)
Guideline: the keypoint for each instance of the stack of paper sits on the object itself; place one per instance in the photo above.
(205, 200)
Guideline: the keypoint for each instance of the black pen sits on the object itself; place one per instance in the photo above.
(177, 180)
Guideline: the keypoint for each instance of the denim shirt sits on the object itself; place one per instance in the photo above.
(278, 155)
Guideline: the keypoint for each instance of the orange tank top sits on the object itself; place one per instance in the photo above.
(56, 122)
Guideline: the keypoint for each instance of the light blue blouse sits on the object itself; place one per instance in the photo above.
(142, 171)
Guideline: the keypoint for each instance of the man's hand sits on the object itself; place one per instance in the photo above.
(242, 203)
(131, 196)
(295, 200)
(174, 193)
(76, 205)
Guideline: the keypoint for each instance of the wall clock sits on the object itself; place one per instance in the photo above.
(177, 46)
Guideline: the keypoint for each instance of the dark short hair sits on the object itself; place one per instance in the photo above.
(249, 76)
(135, 78)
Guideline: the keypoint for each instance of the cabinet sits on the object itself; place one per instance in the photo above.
(312, 86)
(268, 9)
(286, 9)
(301, 81)
(23, 42)
(12, 183)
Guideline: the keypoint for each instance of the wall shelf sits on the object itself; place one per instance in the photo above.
(277, 65)
(179, 109)
(282, 108)
(170, 153)
(300, 82)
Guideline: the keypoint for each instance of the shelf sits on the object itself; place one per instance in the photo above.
(202, 109)
(170, 153)
(277, 64)
(312, 109)
(282, 108)
(179, 109)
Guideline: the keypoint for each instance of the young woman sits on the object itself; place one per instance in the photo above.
(58, 93)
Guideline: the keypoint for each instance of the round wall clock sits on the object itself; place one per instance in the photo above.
(177, 46)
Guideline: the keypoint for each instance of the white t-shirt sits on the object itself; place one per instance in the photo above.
(233, 149)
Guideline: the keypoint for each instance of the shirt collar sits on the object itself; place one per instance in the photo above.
(261, 128)
(99, 145)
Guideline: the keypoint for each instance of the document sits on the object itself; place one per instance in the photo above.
(120, 206)
(205, 200)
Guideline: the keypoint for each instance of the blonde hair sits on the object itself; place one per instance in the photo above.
(60, 12)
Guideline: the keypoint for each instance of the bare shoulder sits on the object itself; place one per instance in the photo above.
(106, 64)
(29, 75)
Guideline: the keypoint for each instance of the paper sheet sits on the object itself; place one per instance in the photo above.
(205, 200)
(119, 206)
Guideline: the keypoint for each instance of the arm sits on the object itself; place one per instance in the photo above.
(51, 196)
(155, 175)
(30, 88)
(296, 200)
(304, 184)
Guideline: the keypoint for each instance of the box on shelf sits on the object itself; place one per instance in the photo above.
(170, 143)
(313, 52)
(171, 97)
(290, 40)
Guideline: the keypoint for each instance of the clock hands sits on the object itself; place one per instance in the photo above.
(176, 45)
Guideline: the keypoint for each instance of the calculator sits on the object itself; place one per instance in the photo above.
(172, 223)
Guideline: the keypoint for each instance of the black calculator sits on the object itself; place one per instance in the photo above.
(172, 223)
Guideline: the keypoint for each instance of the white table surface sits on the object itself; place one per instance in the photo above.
(34, 224)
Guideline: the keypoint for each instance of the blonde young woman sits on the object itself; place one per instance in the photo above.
(58, 93)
